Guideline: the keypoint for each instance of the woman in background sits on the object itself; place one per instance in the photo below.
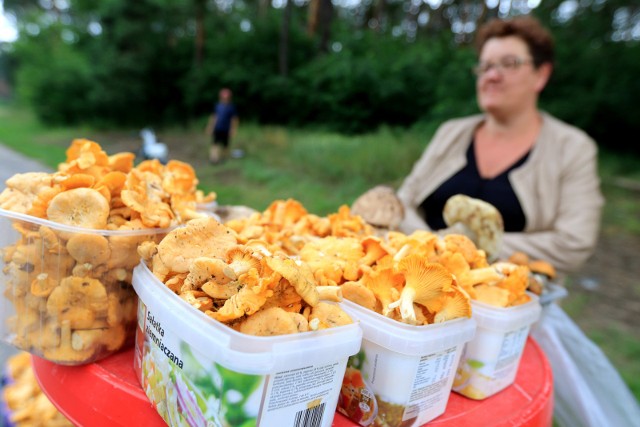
(539, 172)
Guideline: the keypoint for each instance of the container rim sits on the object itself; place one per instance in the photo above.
(244, 342)
(411, 340)
(69, 228)
(507, 318)
(534, 299)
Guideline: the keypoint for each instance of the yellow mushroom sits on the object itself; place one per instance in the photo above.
(385, 285)
(204, 269)
(299, 275)
(455, 304)
(337, 258)
(200, 237)
(147, 249)
(489, 275)
(198, 300)
(454, 262)
(241, 259)
(43, 285)
(330, 293)
(373, 250)
(114, 337)
(78, 300)
(79, 207)
(121, 162)
(272, 321)
(65, 353)
(327, 315)
(245, 302)
(424, 284)
(360, 294)
(492, 295)
(89, 248)
(50, 239)
(221, 291)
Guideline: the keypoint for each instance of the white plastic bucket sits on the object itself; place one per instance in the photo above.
(199, 372)
(405, 371)
(490, 361)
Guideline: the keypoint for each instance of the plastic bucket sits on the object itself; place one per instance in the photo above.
(199, 372)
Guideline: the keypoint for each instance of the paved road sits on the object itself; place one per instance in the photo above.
(10, 164)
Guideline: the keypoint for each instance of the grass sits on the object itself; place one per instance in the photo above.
(323, 171)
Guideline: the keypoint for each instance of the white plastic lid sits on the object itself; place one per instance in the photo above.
(237, 351)
(73, 229)
(505, 319)
(410, 339)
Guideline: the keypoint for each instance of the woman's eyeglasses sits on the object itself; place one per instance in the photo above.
(508, 64)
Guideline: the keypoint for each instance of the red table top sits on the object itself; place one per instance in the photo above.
(108, 394)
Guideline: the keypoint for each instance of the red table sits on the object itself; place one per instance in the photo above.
(108, 394)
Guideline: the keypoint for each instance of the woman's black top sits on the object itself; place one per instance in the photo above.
(497, 191)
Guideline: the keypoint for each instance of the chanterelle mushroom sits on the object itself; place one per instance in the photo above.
(379, 207)
(481, 221)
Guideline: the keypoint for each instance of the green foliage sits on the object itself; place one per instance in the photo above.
(147, 66)
(595, 78)
(322, 170)
(53, 77)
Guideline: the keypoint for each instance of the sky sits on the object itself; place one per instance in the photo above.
(8, 31)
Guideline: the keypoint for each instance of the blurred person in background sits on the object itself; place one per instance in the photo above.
(222, 126)
(539, 172)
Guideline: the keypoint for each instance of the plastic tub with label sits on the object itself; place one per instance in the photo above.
(403, 374)
(490, 361)
(199, 372)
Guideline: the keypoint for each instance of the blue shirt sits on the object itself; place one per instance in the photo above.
(224, 114)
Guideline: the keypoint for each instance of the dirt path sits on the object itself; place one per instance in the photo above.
(609, 284)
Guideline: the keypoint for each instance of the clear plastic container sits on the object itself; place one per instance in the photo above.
(199, 372)
(403, 374)
(66, 291)
(490, 361)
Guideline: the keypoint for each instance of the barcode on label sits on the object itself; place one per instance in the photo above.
(310, 417)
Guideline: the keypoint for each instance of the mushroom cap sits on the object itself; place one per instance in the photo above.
(519, 258)
(200, 237)
(480, 217)
(80, 207)
(542, 267)
(492, 295)
(299, 276)
(379, 207)
(382, 282)
(268, 322)
(360, 294)
(455, 304)
(426, 280)
(241, 259)
(374, 249)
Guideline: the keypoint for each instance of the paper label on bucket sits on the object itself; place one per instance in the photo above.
(188, 388)
(308, 393)
(511, 350)
(392, 389)
(432, 382)
(490, 363)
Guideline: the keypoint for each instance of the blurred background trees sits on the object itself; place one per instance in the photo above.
(344, 65)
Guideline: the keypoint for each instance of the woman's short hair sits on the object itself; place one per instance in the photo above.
(538, 39)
